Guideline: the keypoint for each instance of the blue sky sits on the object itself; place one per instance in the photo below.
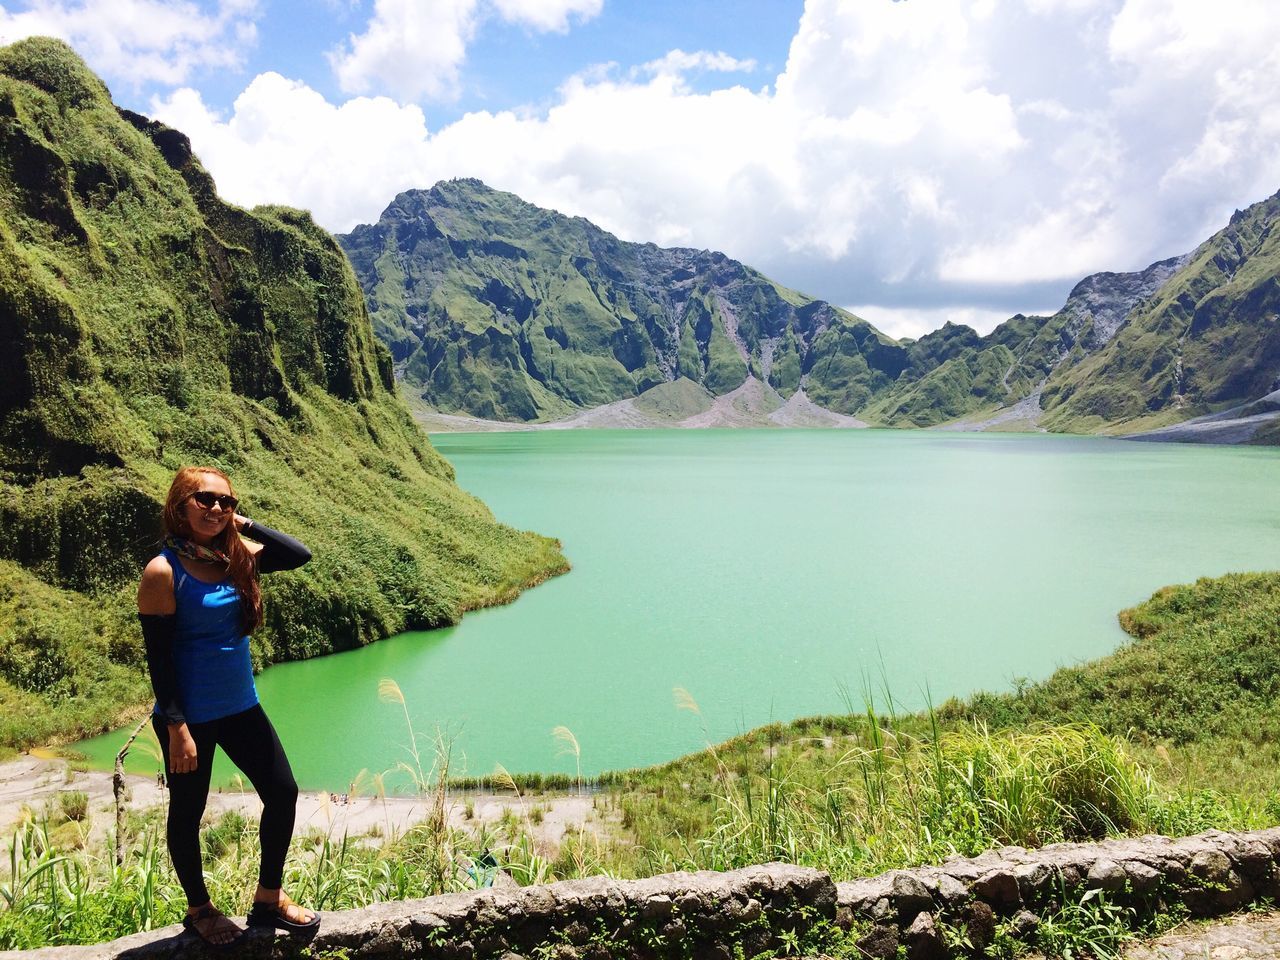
(508, 63)
(916, 160)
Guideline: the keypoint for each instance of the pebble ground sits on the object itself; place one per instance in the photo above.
(1248, 937)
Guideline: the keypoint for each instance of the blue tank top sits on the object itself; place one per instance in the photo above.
(210, 647)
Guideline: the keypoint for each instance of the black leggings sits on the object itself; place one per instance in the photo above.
(252, 745)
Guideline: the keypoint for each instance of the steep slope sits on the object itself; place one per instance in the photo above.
(1194, 336)
(496, 308)
(147, 325)
(1208, 339)
(955, 373)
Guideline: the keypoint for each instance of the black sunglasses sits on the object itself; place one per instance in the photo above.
(207, 498)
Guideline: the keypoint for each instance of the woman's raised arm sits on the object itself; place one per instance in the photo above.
(279, 550)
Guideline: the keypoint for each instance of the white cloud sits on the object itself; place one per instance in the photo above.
(914, 322)
(284, 143)
(1186, 36)
(935, 149)
(416, 48)
(142, 41)
(412, 48)
(1067, 241)
(547, 15)
(677, 62)
(1220, 63)
(1073, 6)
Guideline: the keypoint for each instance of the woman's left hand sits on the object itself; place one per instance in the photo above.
(238, 522)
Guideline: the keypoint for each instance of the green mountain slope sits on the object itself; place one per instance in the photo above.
(955, 373)
(1184, 338)
(147, 325)
(1207, 340)
(496, 308)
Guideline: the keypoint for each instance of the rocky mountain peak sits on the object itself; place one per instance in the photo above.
(1102, 301)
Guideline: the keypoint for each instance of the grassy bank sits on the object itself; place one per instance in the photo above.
(1171, 734)
(1178, 730)
(1195, 691)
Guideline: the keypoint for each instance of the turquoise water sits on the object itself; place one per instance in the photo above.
(774, 574)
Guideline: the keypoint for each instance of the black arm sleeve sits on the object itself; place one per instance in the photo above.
(279, 550)
(157, 634)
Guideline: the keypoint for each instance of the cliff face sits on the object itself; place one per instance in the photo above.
(1185, 338)
(497, 308)
(146, 325)
(1204, 339)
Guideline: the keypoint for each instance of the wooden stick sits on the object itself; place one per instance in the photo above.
(117, 784)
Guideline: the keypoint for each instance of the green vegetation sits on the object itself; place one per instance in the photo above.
(1127, 352)
(1176, 730)
(496, 308)
(1095, 750)
(878, 793)
(675, 400)
(1207, 340)
(54, 893)
(150, 325)
(1204, 665)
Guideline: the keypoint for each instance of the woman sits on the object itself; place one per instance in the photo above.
(198, 602)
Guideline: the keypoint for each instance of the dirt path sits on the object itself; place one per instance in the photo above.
(1255, 935)
(33, 784)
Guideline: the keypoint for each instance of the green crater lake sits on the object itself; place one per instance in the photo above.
(772, 575)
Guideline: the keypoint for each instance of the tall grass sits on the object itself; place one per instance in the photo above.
(54, 893)
(56, 897)
(51, 895)
(569, 747)
(887, 796)
(867, 792)
(896, 799)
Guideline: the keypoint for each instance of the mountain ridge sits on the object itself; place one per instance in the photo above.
(480, 295)
(570, 316)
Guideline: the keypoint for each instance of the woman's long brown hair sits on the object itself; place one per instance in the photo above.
(241, 570)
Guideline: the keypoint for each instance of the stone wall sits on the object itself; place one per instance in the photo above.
(932, 912)
(1011, 889)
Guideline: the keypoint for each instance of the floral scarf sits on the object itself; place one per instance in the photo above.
(194, 551)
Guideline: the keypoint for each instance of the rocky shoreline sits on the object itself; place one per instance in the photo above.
(757, 405)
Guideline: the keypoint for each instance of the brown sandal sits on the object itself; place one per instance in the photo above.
(191, 922)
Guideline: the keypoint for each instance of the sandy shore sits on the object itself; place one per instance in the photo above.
(33, 783)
